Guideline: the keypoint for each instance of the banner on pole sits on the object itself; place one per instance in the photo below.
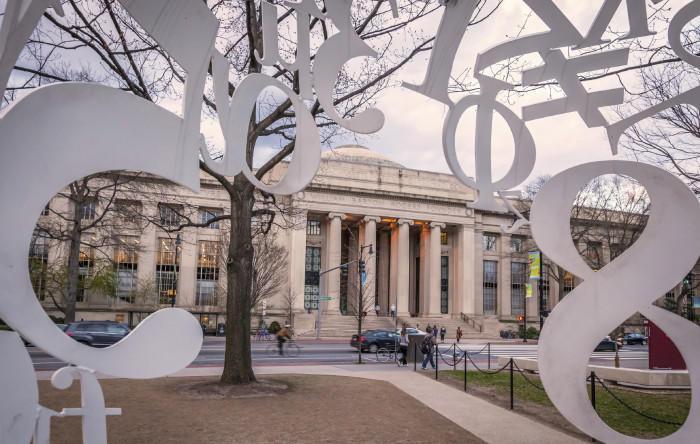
(528, 290)
(534, 265)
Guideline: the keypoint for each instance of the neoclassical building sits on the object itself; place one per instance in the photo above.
(433, 257)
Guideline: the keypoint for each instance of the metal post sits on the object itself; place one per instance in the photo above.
(465, 371)
(511, 383)
(435, 355)
(454, 355)
(318, 322)
(489, 363)
(539, 293)
(525, 317)
(172, 299)
(593, 394)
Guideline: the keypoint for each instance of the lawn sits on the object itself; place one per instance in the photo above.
(670, 406)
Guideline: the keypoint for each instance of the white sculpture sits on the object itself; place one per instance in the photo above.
(78, 136)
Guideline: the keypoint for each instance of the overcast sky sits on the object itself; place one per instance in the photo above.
(412, 135)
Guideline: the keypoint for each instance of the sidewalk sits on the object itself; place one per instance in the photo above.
(491, 423)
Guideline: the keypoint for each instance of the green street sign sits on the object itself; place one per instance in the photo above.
(326, 298)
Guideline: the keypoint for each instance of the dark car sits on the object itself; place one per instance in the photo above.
(606, 344)
(634, 338)
(374, 339)
(97, 333)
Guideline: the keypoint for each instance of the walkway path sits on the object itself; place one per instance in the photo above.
(491, 423)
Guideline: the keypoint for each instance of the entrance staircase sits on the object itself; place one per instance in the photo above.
(338, 326)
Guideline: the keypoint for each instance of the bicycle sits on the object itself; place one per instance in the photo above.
(289, 348)
(390, 352)
(266, 336)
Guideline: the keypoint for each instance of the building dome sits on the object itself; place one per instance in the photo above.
(359, 154)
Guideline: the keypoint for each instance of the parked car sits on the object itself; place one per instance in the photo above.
(411, 331)
(97, 333)
(606, 344)
(634, 338)
(372, 340)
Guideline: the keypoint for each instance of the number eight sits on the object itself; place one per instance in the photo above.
(606, 298)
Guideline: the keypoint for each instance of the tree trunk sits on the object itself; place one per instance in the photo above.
(238, 365)
(73, 267)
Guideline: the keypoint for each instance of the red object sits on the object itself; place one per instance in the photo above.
(663, 353)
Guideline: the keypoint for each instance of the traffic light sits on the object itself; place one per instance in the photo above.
(520, 318)
(688, 280)
(344, 270)
(362, 266)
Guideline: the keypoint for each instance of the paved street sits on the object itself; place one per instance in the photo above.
(337, 352)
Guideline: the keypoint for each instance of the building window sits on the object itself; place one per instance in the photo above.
(615, 250)
(169, 216)
(207, 273)
(207, 215)
(86, 264)
(88, 211)
(671, 296)
(313, 265)
(129, 211)
(568, 282)
(489, 242)
(490, 286)
(518, 279)
(443, 284)
(443, 238)
(516, 245)
(126, 259)
(593, 251)
(166, 270)
(313, 227)
(38, 263)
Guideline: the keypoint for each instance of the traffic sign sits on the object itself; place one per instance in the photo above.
(326, 298)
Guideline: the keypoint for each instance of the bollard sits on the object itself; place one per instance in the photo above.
(454, 356)
(465, 371)
(511, 383)
(436, 362)
(593, 395)
(489, 361)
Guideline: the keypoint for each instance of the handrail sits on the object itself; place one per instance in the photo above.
(471, 321)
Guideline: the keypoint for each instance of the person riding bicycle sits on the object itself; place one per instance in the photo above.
(282, 337)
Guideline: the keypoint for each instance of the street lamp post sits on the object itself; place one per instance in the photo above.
(174, 294)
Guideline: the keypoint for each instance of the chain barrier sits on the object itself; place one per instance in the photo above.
(632, 408)
(452, 356)
(486, 372)
(522, 373)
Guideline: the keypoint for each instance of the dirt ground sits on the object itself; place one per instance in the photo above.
(286, 408)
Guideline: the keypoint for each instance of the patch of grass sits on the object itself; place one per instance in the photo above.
(668, 406)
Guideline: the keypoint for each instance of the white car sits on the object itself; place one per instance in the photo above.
(412, 331)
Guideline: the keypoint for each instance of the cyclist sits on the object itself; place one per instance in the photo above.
(282, 337)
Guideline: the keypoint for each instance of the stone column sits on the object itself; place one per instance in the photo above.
(368, 236)
(434, 264)
(400, 266)
(297, 259)
(383, 272)
(331, 259)
(424, 272)
(465, 279)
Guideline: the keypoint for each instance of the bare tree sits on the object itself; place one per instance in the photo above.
(289, 300)
(115, 51)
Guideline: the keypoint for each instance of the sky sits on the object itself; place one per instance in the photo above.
(412, 134)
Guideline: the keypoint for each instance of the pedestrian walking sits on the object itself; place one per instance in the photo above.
(393, 311)
(427, 346)
(417, 327)
(403, 346)
(443, 331)
(377, 308)
(459, 334)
